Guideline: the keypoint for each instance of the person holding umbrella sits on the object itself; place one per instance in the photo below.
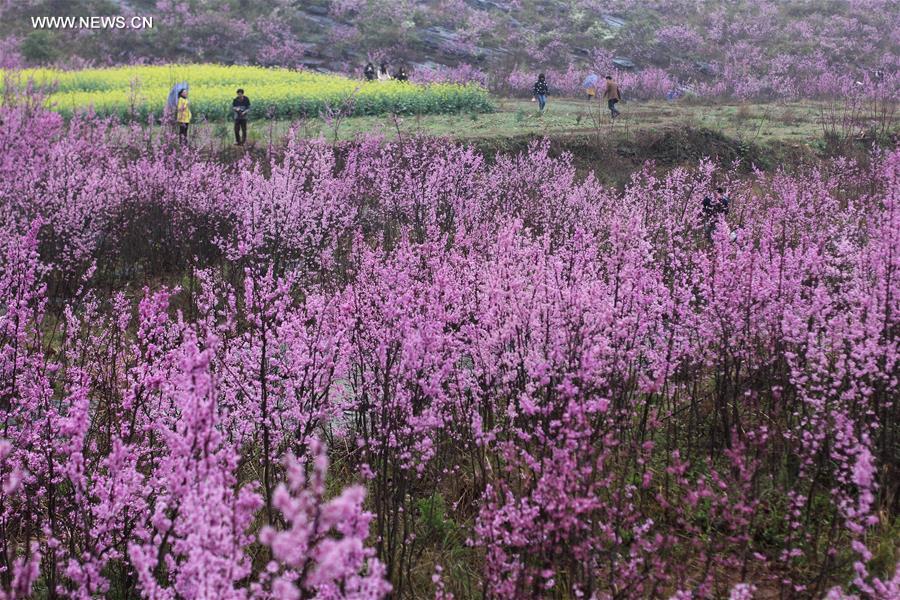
(183, 115)
(172, 100)
(590, 86)
(174, 107)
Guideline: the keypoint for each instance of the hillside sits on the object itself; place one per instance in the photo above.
(744, 49)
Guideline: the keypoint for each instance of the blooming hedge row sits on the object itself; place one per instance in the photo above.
(611, 404)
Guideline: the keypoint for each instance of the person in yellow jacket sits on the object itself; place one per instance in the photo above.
(183, 115)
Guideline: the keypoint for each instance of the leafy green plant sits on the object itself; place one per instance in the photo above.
(436, 524)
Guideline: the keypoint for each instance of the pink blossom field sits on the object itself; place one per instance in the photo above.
(404, 366)
(337, 372)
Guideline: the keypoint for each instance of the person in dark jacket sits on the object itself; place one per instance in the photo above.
(401, 74)
(369, 72)
(714, 210)
(240, 106)
(540, 91)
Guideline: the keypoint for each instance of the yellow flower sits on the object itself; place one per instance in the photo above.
(138, 91)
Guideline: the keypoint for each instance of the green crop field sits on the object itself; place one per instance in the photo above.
(137, 92)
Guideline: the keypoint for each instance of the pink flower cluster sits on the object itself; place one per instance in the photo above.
(761, 50)
(613, 404)
(462, 73)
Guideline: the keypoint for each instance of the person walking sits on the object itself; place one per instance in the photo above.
(383, 74)
(612, 96)
(540, 91)
(714, 210)
(369, 72)
(183, 115)
(240, 106)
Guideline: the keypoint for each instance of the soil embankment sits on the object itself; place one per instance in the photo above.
(613, 159)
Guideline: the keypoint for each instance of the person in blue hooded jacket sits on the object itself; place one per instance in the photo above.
(540, 91)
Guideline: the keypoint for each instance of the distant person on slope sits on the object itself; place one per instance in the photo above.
(540, 91)
(240, 106)
(369, 72)
(612, 96)
(383, 74)
(183, 115)
(401, 75)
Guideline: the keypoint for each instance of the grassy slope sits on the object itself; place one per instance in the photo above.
(764, 135)
(797, 123)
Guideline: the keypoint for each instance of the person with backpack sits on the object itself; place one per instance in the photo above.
(540, 91)
(612, 96)
(714, 210)
(240, 106)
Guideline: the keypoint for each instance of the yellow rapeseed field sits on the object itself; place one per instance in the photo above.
(136, 92)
